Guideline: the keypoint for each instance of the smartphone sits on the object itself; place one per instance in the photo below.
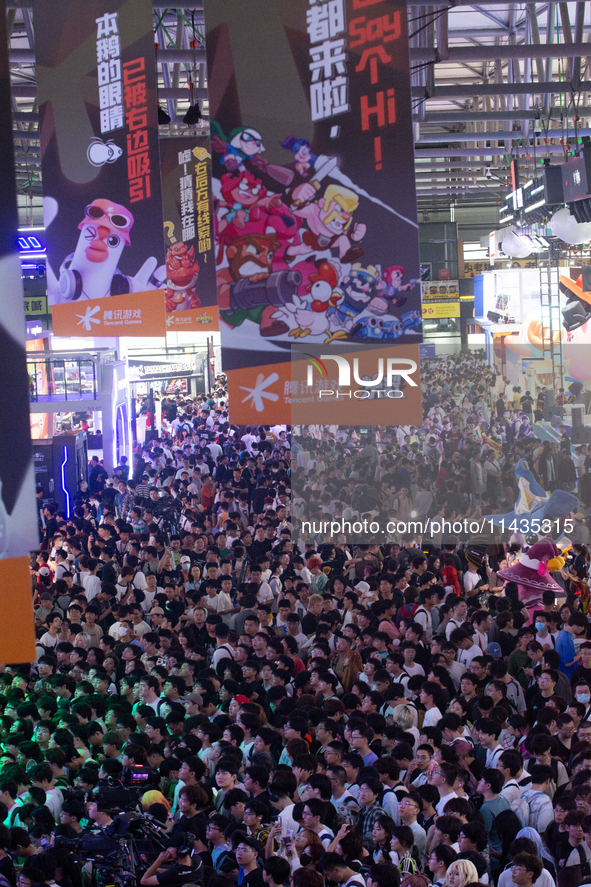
(288, 838)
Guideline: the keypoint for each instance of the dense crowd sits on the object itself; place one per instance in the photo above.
(220, 698)
(459, 464)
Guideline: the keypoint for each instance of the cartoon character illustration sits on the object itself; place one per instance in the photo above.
(359, 290)
(182, 271)
(311, 314)
(100, 152)
(91, 271)
(411, 320)
(391, 285)
(302, 150)
(245, 144)
(368, 328)
(250, 210)
(393, 328)
(330, 223)
(249, 289)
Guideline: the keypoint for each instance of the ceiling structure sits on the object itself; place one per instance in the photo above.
(490, 81)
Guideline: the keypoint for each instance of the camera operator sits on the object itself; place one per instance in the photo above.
(175, 866)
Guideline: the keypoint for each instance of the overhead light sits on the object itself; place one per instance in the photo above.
(193, 115)
(538, 189)
(163, 117)
(506, 219)
(535, 205)
(528, 184)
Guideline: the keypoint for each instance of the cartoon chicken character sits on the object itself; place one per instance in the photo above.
(310, 315)
(91, 271)
(182, 271)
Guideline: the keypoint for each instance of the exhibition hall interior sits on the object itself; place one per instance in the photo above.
(295, 474)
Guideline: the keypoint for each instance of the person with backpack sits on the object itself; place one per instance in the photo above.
(576, 851)
(510, 763)
(541, 813)
(540, 746)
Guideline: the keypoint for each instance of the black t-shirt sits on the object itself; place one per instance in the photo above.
(309, 623)
(176, 875)
(195, 825)
(254, 879)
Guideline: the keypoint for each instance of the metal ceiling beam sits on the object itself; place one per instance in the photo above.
(484, 152)
(510, 135)
(461, 54)
(457, 54)
(463, 90)
(443, 117)
(197, 5)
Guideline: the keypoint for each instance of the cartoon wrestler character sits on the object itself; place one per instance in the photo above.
(330, 224)
(250, 260)
(249, 209)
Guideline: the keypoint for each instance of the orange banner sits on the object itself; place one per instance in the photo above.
(260, 390)
(194, 319)
(132, 314)
(18, 644)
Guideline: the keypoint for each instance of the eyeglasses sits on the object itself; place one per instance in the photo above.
(117, 220)
(408, 804)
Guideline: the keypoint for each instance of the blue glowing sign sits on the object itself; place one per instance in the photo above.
(30, 243)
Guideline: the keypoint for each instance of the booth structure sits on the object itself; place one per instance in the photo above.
(94, 381)
(61, 463)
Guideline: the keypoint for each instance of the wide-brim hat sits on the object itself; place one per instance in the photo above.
(531, 570)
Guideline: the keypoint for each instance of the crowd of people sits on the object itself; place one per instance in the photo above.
(459, 464)
(286, 710)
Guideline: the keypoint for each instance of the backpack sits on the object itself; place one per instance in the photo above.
(583, 862)
(532, 813)
(521, 808)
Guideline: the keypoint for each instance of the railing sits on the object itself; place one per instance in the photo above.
(71, 379)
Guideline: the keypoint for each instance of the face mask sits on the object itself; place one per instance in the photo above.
(583, 697)
(540, 626)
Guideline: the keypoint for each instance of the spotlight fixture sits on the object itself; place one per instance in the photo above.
(193, 115)
(163, 117)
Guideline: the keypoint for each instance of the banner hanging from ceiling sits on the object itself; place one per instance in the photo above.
(313, 176)
(18, 514)
(96, 81)
(190, 294)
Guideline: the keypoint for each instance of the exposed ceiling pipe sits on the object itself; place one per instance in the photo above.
(483, 152)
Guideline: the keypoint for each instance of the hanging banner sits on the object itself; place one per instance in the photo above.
(96, 80)
(18, 514)
(313, 176)
(190, 294)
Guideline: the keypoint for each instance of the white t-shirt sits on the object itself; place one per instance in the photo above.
(471, 580)
(465, 657)
(221, 601)
(432, 717)
(91, 585)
